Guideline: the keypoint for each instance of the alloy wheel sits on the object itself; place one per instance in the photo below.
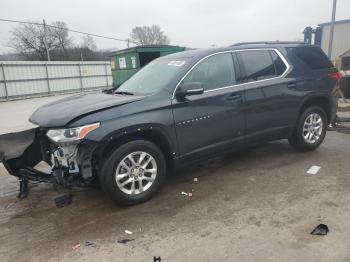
(313, 128)
(136, 173)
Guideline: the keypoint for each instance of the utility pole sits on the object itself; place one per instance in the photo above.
(332, 29)
(128, 42)
(45, 43)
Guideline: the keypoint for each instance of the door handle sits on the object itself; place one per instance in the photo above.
(234, 97)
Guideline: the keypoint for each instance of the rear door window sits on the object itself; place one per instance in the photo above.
(257, 65)
(313, 57)
(214, 72)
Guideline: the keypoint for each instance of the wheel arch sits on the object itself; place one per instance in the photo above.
(154, 135)
(321, 101)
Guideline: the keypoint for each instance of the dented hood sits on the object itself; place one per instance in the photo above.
(61, 112)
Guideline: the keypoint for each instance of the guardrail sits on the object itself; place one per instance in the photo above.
(22, 79)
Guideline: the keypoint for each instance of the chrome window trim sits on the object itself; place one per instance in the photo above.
(195, 90)
(233, 51)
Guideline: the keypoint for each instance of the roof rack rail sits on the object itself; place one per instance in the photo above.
(269, 42)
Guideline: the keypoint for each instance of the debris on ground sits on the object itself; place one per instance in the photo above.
(76, 246)
(190, 194)
(23, 188)
(126, 240)
(184, 193)
(313, 170)
(195, 179)
(63, 200)
(89, 244)
(156, 259)
(320, 230)
(128, 232)
(336, 127)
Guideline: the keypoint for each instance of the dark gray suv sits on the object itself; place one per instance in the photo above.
(178, 109)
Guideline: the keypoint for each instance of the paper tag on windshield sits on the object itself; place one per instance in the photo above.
(176, 63)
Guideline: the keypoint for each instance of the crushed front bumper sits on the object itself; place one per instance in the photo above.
(21, 151)
(71, 165)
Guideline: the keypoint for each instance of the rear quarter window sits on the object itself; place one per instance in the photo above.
(313, 57)
(280, 66)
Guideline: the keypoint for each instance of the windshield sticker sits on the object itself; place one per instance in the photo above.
(176, 63)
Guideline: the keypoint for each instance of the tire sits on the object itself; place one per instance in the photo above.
(120, 162)
(299, 140)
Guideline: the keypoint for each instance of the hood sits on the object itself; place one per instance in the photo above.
(61, 112)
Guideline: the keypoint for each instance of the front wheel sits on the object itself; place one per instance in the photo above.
(311, 129)
(133, 173)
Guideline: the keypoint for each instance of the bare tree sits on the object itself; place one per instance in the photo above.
(28, 40)
(88, 42)
(87, 49)
(149, 35)
(60, 33)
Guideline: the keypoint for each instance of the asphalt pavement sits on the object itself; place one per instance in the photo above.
(254, 205)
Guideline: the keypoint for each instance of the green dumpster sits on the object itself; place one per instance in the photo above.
(126, 62)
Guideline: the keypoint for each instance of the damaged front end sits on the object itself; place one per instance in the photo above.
(65, 151)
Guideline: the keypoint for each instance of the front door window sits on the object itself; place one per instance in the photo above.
(213, 72)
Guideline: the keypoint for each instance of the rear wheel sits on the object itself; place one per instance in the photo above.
(310, 130)
(133, 173)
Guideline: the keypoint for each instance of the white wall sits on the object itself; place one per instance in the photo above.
(341, 39)
(19, 79)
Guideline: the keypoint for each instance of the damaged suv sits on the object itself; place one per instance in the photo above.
(180, 108)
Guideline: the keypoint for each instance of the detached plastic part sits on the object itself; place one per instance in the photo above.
(320, 230)
(124, 241)
(89, 244)
(23, 188)
(63, 200)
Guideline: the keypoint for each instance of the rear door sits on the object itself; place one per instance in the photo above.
(270, 104)
(212, 121)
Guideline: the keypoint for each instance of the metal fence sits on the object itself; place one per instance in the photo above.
(19, 79)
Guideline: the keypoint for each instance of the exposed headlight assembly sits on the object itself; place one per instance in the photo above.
(71, 134)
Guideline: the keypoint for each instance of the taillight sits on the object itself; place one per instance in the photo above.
(335, 76)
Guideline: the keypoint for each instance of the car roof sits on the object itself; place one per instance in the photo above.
(198, 53)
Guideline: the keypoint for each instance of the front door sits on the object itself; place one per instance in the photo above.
(212, 121)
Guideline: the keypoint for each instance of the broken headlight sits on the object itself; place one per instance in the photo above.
(71, 134)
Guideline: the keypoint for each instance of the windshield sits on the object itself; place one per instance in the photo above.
(153, 77)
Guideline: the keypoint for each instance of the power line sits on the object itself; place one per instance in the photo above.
(70, 30)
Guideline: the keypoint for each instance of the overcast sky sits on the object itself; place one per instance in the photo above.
(191, 23)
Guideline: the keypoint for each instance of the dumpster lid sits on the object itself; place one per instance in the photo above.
(141, 48)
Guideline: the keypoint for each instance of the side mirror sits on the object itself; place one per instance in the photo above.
(190, 89)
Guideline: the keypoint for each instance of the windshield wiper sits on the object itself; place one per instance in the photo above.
(124, 93)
